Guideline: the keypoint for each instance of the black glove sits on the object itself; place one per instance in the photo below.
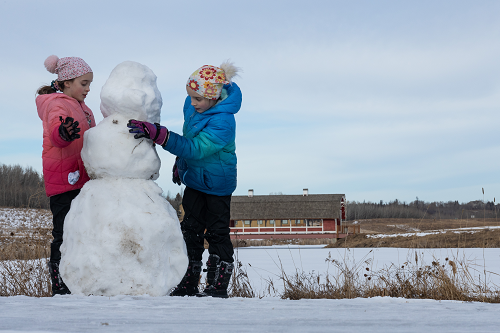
(175, 173)
(68, 130)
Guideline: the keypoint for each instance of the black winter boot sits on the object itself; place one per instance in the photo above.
(212, 269)
(219, 286)
(58, 286)
(189, 283)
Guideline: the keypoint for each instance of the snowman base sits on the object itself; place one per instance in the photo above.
(121, 237)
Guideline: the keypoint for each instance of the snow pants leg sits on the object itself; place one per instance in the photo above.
(59, 205)
(207, 217)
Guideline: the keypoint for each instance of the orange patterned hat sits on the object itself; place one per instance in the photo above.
(207, 81)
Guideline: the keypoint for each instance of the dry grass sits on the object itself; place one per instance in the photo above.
(240, 283)
(487, 238)
(25, 277)
(25, 233)
(25, 244)
(23, 252)
(451, 280)
(23, 264)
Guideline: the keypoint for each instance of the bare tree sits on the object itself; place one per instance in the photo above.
(21, 187)
(419, 209)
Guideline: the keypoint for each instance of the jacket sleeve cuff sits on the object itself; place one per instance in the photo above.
(166, 140)
(56, 139)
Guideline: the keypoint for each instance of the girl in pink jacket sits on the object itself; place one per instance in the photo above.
(65, 118)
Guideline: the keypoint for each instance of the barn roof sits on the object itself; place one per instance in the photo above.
(262, 207)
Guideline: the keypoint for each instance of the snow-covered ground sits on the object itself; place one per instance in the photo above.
(13, 218)
(269, 314)
(416, 232)
(168, 314)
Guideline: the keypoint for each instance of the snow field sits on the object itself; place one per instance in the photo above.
(74, 313)
(416, 232)
(14, 218)
(191, 314)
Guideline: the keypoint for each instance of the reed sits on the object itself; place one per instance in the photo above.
(23, 263)
(451, 280)
(25, 277)
(240, 286)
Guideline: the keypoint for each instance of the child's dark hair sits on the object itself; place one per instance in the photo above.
(43, 90)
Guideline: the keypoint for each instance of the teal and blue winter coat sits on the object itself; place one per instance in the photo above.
(207, 150)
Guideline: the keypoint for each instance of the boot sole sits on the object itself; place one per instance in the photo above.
(208, 295)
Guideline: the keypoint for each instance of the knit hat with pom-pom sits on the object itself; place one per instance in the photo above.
(66, 68)
(207, 81)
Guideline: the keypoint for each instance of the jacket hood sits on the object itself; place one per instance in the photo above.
(231, 104)
(43, 101)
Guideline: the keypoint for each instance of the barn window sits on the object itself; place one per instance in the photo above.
(271, 221)
(259, 221)
(284, 221)
(247, 222)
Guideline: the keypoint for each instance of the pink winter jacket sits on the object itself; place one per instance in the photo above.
(60, 157)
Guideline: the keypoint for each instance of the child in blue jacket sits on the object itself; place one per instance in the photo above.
(206, 164)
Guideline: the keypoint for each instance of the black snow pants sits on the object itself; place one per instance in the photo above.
(211, 213)
(59, 205)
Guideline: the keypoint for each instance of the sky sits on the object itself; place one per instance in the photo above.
(378, 100)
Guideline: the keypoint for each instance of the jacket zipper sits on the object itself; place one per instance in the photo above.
(87, 116)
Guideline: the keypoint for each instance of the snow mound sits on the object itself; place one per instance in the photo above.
(121, 237)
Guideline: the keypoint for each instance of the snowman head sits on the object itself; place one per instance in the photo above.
(109, 150)
(132, 92)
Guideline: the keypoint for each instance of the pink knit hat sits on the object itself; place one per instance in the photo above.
(67, 68)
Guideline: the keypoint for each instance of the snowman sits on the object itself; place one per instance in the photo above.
(121, 237)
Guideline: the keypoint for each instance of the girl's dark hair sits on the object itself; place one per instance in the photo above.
(43, 90)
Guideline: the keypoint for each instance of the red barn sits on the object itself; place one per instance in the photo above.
(287, 216)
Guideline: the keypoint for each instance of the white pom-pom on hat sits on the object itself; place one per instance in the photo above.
(51, 63)
(230, 70)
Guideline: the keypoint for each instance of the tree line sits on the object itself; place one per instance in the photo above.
(175, 200)
(21, 187)
(24, 188)
(419, 209)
